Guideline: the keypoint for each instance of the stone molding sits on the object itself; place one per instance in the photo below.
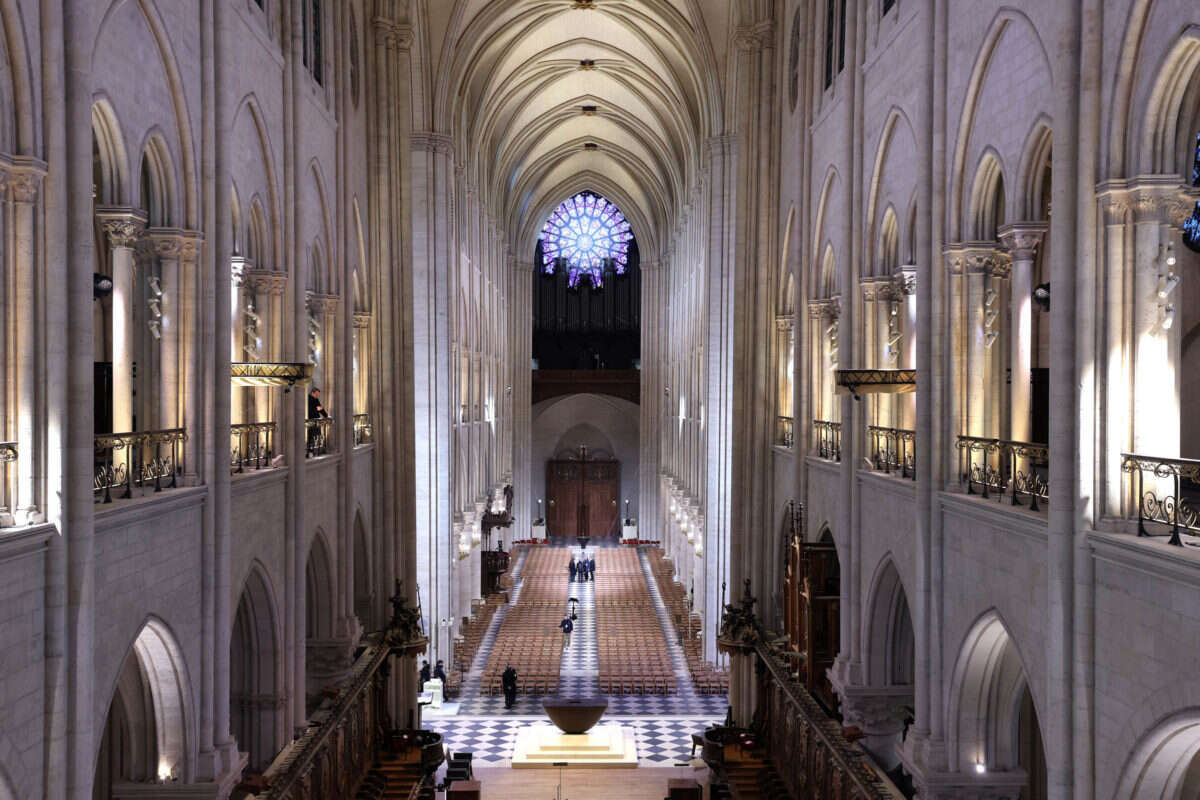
(122, 224)
(161, 243)
(393, 35)
(829, 307)
(264, 281)
(715, 146)
(1023, 238)
(322, 303)
(876, 287)
(432, 142)
(362, 319)
(905, 276)
(977, 258)
(752, 38)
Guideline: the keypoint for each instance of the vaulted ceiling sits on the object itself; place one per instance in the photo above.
(515, 82)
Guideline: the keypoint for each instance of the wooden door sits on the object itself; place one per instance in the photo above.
(584, 497)
(564, 484)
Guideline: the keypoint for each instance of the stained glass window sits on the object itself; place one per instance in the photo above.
(1191, 225)
(584, 233)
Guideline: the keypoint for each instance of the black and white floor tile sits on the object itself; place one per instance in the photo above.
(661, 742)
(663, 724)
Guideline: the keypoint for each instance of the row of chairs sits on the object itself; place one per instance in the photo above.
(529, 638)
(706, 678)
(632, 652)
(467, 645)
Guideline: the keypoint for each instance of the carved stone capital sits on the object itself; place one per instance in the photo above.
(191, 243)
(392, 34)
(784, 323)
(322, 303)
(1023, 238)
(1115, 201)
(25, 176)
(264, 281)
(122, 225)
(826, 308)
(362, 319)
(1153, 197)
(431, 142)
(752, 38)
(976, 258)
(161, 243)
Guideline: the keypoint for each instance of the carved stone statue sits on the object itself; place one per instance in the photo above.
(739, 627)
(405, 625)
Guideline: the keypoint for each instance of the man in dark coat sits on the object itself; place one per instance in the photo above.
(426, 674)
(591, 569)
(567, 626)
(571, 569)
(316, 410)
(439, 671)
(509, 679)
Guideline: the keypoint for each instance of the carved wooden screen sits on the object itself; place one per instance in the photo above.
(818, 615)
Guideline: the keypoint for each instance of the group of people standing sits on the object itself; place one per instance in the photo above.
(582, 569)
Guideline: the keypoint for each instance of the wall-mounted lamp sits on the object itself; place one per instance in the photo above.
(102, 286)
(1168, 317)
(980, 768)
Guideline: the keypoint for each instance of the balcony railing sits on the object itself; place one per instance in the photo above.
(1005, 468)
(894, 450)
(319, 433)
(785, 431)
(828, 439)
(252, 446)
(141, 459)
(1173, 497)
(363, 432)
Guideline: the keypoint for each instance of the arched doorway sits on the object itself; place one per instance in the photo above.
(255, 699)
(364, 590)
(147, 732)
(994, 725)
(1166, 763)
(812, 599)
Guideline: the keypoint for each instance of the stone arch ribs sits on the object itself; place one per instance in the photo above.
(256, 671)
(1158, 767)
(1163, 148)
(986, 690)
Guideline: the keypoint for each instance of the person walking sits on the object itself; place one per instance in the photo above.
(567, 626)
(426, 674)
(571, 569)
(591, 568)
(439, 671)
(509, 680)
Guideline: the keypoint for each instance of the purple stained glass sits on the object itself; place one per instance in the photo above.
(1191, 225)
(584, 231)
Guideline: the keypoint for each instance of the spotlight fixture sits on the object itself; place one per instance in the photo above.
(1167, 284)
(980, 768)
(1168, 317)
(989, 297)
(1170, 254)
(894, 339)
(102, 285)
(1041, 296)
(990, 339)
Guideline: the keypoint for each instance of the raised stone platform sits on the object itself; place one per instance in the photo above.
(542, 745)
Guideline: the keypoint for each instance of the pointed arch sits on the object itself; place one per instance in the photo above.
(364, 585)
(888, 253)
(888, 638)
(14, 48)
(1163, 764)
(256, 671)
(827, 186)
(1035, 160)
(156, 181)
(273, 243)
(787, 282)
(153, 694)
(988, 209)
(1005, 18)
(987, 691)
(109, 167)
(828, 283)
(1167, 127)
(331, 284)
(319, 590)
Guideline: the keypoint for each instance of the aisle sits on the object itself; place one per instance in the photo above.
(663, 724)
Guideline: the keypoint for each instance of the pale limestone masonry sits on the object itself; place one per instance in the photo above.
(365, 191)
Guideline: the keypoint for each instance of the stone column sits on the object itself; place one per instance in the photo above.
(166, 245)
(25, 183)
(905, 290)
(879, 713)
(123, 227)
(522, 408)
(238, 280)
(477, 552)
(1155, 379)
(191, 353)
(1022, 240)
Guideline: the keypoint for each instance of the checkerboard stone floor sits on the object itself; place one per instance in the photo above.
(663, 724)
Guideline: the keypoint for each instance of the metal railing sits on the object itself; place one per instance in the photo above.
(1173, 498)
(252, 445)
(785, 431)
(138, 458)
(894, 450)
(318, 436)
(1002, 467)
(828, 439)
(363, 432)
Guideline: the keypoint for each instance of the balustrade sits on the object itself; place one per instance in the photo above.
(828, 437)
(252, 445)
(319, 436)
(894, 450)
(1173, 498)
(139, 459)
(1002, 467)
(363, 432)
(785, 435)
